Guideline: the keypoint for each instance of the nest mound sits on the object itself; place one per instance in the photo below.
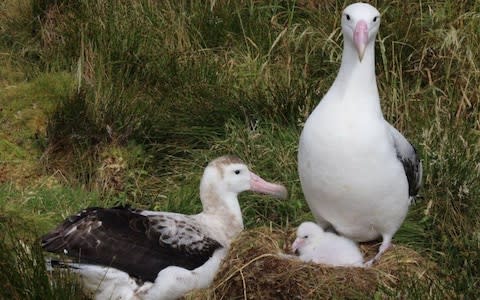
(255, 269)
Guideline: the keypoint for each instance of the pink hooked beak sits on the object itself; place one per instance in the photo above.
(257, 184)
(360, 38)
(297, 244)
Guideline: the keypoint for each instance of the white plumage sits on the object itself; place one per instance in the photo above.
(125, 253)
(315, 245)
(358, 173)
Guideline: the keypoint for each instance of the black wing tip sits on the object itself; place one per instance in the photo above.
(55, 263)
(53, 241)
(414, 172)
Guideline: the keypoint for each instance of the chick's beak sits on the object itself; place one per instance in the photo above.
(360, 38)
(297, 244)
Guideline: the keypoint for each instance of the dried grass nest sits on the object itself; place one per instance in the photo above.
(255, 270)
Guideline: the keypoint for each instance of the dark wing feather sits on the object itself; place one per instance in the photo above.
(408, 156)
(123, 238)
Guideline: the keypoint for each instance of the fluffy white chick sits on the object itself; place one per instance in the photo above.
(313, 244)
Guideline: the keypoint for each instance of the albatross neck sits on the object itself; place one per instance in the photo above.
(222, 205)
(356, 80)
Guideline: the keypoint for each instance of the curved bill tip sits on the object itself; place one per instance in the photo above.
(259, 185)
(295, 245)
(361, 52)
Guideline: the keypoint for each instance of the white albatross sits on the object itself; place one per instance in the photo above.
(313, 244)
(124, 253)
(358, 173)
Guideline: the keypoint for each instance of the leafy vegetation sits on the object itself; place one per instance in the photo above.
(126, 101)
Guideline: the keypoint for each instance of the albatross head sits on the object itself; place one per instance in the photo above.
(307, 233)
(360, 23)
(228, 176)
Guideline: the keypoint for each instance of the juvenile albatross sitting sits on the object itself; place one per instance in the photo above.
(124, 253)
(358, 173)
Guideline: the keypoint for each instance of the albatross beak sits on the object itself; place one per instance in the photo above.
(257, 184)
(296, 244)
(360, 38)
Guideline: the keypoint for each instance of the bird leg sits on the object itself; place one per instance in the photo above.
(386, 243)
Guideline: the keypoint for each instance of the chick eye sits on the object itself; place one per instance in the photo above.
(375, 19)
(348, 17)
(237, 172)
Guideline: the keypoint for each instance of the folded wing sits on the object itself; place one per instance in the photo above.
(408, 156)
(125, 239)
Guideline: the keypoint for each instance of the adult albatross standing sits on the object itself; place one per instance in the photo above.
(358, 173)
(124, 253)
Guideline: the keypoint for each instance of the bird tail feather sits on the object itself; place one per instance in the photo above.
(52, 264)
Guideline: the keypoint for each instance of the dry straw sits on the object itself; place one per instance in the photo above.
(255, 270)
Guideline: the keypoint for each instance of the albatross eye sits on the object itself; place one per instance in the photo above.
(348, 17)
(305, 236)
(375, 19)
(237, 172)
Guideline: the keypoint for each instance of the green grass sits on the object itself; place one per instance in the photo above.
(126, 101)
(24, 274)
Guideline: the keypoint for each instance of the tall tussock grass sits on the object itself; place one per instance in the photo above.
(24, 274)
(161, 87)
